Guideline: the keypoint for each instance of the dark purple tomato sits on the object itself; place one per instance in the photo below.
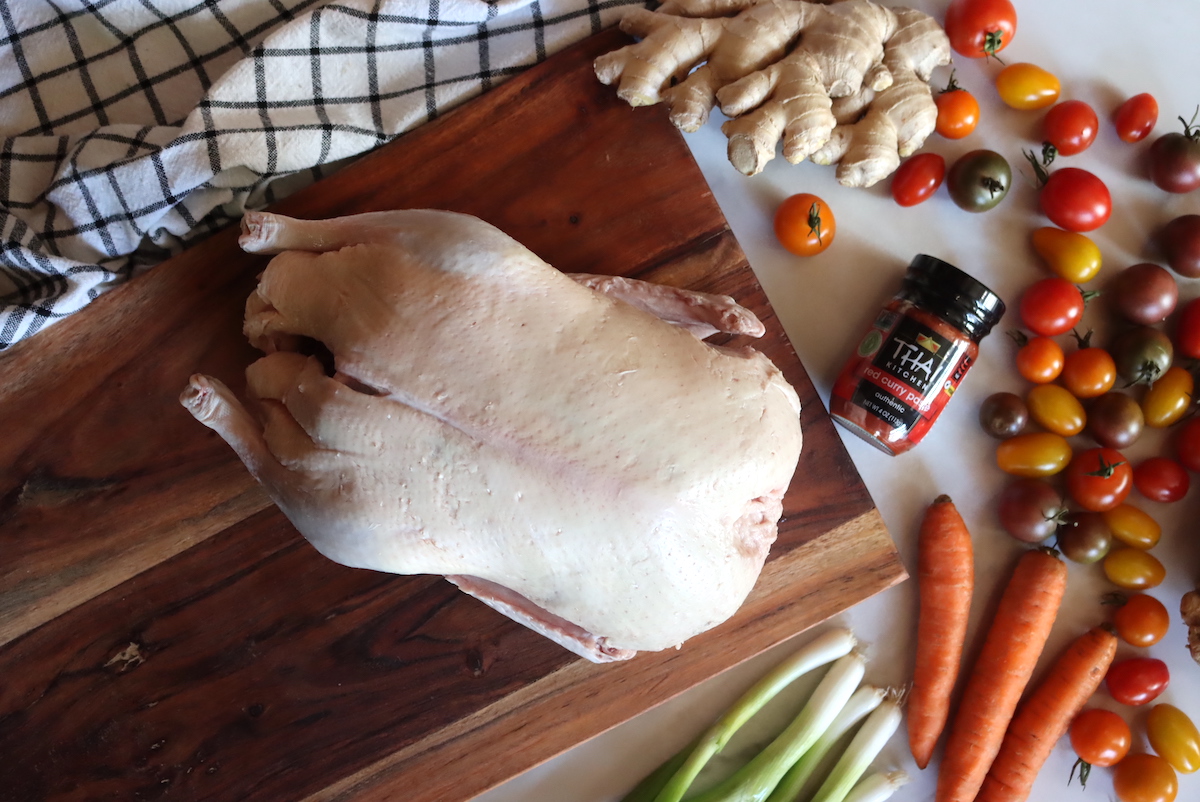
(1180, 244)
(1175, 159)
(1115, 420)
(1003, 415)
(1143, 293)
(1084, 537)
(1031, 510)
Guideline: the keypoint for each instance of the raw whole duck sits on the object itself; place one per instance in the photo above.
(436, 399)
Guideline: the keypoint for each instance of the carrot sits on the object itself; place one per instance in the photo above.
(945, 580)
(1010, 651)
(1046, 715)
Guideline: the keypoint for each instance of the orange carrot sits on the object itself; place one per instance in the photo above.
(1010, 651)
(945, 580)
(1046, 715)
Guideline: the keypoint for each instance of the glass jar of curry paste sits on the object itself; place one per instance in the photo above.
(912, 359)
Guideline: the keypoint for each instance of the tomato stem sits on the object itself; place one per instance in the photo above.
(952, 86)
(993, 42)
(1190, 129)
(1085, 770)
(814, 221)
(1019, 337)
(1039, 171)
(1086, 340)
(1106, 468)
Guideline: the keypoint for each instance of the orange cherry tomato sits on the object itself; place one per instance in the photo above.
(1145, 778)
(1034, 454)
(1039, 359)
(1100, 737)
(957, 111)
(804, 224)
(1089, 372)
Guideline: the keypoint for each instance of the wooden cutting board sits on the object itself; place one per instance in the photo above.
(165, 632)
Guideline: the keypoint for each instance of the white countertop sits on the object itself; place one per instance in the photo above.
(1112, 51)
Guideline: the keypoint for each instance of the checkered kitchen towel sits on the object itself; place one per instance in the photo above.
(130, 127)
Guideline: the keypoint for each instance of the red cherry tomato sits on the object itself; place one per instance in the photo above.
(1051, 307)
(1100, 737)
(1187, 330)
(1161, 479)
(1187, 444)
(1075, 199)
(1137, 680)
(1070, 127)
(918, 178)
(1099, 479)
(979, 28)
(1135, 118)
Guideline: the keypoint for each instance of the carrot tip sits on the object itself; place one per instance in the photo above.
(942, 499)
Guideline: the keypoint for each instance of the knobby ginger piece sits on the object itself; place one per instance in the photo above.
(845, 83)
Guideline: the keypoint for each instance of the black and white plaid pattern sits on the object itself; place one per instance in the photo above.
(131, 127)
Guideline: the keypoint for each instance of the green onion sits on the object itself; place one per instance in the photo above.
(867, 744)
(864, 700)
(824, 649)
(877, 787)
(755, 781)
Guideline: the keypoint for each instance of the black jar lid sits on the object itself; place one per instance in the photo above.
(950, 293)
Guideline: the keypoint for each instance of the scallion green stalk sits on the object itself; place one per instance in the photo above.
(755, 781)
(866, 745)
(864, 700)
(824, 649)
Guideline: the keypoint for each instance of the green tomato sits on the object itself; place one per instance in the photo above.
(979, 180)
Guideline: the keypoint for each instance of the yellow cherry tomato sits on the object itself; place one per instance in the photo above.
(1067, 253)
(1034, 454)
(1133, 569)
(804, 224)
(1054, 408)
(1027, 86)
(1173, 736)
(1133, 527)
(1168, 398)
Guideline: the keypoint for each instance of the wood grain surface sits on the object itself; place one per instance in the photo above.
(165, 632)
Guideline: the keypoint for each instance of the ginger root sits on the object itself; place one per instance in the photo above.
(1189, 608)
(845, 83)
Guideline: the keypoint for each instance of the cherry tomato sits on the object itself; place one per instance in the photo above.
(1100, 737)
(1142, 620)
(1133, 527)
(1070, 127)
(1137, 680)
(1055, 409)
(1089, 372)
(1143, 294)
(978, 180)
(1003, 415)
(1099, 479)
(1142, 354)
(1133, 569)
(1166, 401)
(957, 111)
(1034, 454)
(1084, 537)
(1069, 254)
(918, 178)
(1187, 330)
(1173, 736)
(1115, 420)
(804, 224)
(1135, 118)
(1051, 307)
(1027, 86)
(1175, 159)
(1161, 479)
(1039, 359)
(1075, 199)
(1145, 778)
(1187, 445)
(979, 28)
(1179, 241)
(1030, 510)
